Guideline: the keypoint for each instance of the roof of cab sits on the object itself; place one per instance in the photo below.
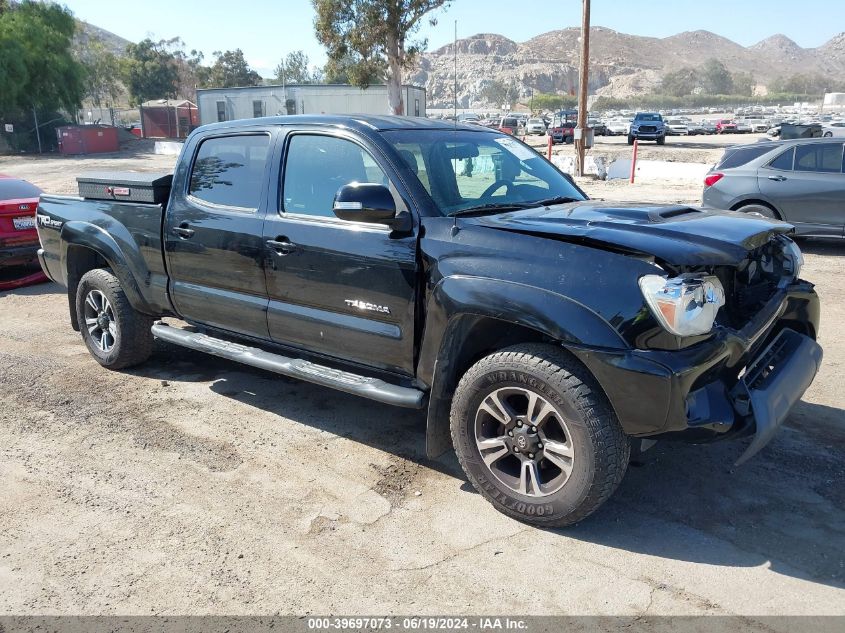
(362, 122)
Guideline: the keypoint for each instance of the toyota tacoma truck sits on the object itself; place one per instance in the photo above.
(431, 265)
(647, 126)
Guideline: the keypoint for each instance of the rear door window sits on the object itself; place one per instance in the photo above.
(823, 158)
(229, 171)
(784, 161)
(741, 156)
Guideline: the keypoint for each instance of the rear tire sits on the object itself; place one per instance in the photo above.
(535, 396)
(116, 334)
(761, 209)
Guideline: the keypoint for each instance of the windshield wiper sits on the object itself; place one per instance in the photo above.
(513, 206)
(496, 206)
(555, 200)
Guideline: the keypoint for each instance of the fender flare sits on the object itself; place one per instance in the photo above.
(127, 265)
(456, 301)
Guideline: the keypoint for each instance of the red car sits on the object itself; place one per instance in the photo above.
(725, 126)
(509, 125)
(18, 238)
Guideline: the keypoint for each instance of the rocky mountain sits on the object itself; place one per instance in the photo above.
(86, 32)
(620, 64)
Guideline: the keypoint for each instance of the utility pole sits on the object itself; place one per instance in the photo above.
(583, 81)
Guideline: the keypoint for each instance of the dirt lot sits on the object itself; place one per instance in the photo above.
(192, 485)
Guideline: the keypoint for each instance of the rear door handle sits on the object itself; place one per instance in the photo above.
(282, 245)
(184, 231)
(777, 178)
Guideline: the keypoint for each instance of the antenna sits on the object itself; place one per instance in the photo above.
(455, 54)
(455, 228)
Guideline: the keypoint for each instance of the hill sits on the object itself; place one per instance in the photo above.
(620, 64)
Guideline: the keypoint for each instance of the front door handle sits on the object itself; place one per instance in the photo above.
(777, 178)
(282, 245)
(184, 231)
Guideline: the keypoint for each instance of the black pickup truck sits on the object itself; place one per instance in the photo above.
(428, 264)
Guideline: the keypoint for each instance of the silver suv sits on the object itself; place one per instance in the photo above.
(800, 181)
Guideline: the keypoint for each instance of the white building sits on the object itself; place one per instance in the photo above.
(227, 104)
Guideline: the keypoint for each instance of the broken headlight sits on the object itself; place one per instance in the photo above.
(685, 305)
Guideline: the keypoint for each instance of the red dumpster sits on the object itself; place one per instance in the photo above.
(87, 139)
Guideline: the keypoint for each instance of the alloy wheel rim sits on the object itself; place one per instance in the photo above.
(524, 441)
(100, 321)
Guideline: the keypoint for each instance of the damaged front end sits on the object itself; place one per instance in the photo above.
(743, 376)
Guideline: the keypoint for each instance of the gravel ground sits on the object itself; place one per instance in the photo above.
(195, 486)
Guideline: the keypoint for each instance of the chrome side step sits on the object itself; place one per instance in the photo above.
(365, 386)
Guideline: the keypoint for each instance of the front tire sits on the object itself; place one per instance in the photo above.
(630, 140)
(536, 436)
(661, 140)
(116, 334)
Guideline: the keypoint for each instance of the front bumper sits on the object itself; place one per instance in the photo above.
(710, 391)
(647, 136)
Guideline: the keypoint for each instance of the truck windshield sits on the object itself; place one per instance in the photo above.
(463, 170)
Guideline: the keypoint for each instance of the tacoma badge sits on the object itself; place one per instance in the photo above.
(364, 305)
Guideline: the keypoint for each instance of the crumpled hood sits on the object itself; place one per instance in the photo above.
(678, 235)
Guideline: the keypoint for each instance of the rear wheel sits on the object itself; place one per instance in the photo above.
(536, 436)
(828, 134)
(760, 209)
(115, 334)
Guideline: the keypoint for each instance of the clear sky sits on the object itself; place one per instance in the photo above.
(266, 30)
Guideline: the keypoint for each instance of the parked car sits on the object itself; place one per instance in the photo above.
(834, 128)
(676, 127)
(647, 126)
(598, 127)
(758, 125)
(618, 127)
(535, 126)
(709, 127)
(389, 273)
(696, 128)
(725, 126)
(800, 181)
(743, 127)
(509, 125)
(18, 237)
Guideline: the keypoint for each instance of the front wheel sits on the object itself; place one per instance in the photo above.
(536, 436)
(661, 140)
(828, 134)
(630, 140)
(115, 334)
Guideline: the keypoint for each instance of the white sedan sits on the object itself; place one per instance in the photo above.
(834, 128)
(677, 127)
(618, 127)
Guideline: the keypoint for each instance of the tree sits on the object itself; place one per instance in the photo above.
(340, 71)
(102, 73)
(374, 34)
(542, 101)
(150, 71)
(231, 70)
(37, 67)
(498, 92)
(715, 78)
(743, 84)
(293, 69)
(680, 83)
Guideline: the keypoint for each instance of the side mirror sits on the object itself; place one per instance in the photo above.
(365, 202)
